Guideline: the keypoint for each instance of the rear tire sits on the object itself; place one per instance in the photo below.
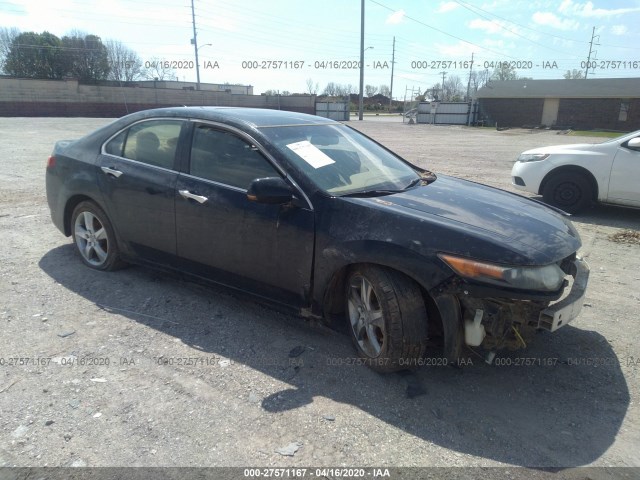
(387, 318)
(569, 191)
(94, 237)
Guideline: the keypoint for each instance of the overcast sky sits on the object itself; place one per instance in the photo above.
(534, 34)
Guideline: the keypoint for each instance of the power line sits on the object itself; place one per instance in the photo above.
(502, 54)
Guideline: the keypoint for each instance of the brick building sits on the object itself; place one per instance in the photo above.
(601, 103)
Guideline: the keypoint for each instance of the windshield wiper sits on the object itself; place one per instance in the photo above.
(371, 193)
(413, 183)
(376, 193)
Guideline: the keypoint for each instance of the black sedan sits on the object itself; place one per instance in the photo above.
(310, 213)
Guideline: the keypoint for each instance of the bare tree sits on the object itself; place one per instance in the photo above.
(125, 64)
(311, 88)
(370, 90)
(435, 92)
(331, 89)
(453, 89)
(7, 36)
(158, 69)
(344, 90)
(384, 90)
(478, 79)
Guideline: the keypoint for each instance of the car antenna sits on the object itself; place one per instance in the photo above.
(124, 96)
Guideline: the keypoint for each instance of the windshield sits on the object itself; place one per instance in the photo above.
(340, 160)
(623, 137)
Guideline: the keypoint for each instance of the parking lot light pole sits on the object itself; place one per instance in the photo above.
(194, 42)
(360, 97)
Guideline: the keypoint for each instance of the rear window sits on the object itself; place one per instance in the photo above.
(153, 142)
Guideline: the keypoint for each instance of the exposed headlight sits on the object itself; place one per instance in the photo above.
(532, 157)
(548, 278)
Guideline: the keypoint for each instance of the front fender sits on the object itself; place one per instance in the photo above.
(336, 257)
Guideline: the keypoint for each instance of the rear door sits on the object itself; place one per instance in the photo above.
(265, 249)
(138, 178)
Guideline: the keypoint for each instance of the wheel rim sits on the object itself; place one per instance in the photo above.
(365, 316)
(567, 193)
(91, 238)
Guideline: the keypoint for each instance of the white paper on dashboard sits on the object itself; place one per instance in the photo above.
(310, 154)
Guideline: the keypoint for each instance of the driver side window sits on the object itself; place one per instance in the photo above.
(225, 158)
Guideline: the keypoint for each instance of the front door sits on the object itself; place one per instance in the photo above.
(624, 181)
(265, 249)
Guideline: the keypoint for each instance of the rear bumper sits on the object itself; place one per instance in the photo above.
(53, 189)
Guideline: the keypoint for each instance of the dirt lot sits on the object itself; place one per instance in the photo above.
(137, 368)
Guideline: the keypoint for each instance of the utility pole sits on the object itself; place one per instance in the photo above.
(194, 41)
(393, 57)
(470, 72)
(443, 75)
(593, 37)
(360, 97)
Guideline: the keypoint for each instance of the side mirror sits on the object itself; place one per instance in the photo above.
(634, 143)
(272, 190)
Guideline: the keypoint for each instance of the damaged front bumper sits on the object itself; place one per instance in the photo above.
(563, 312)
(495, 322)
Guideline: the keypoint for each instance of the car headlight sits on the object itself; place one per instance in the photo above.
(532, 157)
(548, 278)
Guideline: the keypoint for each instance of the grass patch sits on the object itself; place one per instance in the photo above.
(593, 133)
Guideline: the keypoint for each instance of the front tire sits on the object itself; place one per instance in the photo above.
(94, 237)
(387, 318)
(570, 191)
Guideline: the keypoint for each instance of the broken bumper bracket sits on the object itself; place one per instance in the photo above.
(563, 312)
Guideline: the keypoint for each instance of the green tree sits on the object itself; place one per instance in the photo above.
(35, 55)
(86, 57)
(504, 72)
(7, 35)
(573, 74)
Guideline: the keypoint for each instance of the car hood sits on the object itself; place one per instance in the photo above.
(576, 149)
(505, 218)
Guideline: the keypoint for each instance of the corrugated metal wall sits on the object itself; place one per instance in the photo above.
(444, 113)
(334, 110)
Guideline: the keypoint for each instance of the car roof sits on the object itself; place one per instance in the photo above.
(248, 117)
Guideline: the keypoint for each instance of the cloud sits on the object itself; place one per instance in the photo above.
(458, 50)
(495, 26)
(396, 17)
(568, 7)
(447, 7)
(619, 29)
(551, 20)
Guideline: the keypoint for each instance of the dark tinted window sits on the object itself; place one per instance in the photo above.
(223, 157)
(153, 142)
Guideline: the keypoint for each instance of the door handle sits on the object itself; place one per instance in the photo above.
(188, 195)
(111, 171)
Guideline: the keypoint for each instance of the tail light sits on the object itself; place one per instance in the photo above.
(51, 162)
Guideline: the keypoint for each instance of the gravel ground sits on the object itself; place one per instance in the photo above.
(140, 368)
